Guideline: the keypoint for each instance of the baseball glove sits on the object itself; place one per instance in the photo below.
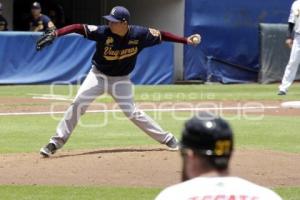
(46, 39)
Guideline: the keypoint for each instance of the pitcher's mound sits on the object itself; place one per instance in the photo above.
(138, 167)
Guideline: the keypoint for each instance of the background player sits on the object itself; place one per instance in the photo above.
(117, 48)
(206, 148)
(293, 41)
(3, 21)
(39, 21)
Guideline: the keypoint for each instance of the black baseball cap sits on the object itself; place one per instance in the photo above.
(36, 5)
(208, 135)
(118, 14)
(1, 7)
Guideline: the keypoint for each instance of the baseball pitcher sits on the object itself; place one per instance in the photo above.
(117, 48)
(293, 41)
(206, 148)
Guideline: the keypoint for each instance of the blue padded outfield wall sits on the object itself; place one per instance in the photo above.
(66, 60)
(69, 59)
(229, 52)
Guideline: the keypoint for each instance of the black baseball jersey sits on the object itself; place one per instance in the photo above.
(3, 23)
(42, 23)
(115, 55)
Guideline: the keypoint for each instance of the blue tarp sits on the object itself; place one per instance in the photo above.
(229, 52)
(69, 59)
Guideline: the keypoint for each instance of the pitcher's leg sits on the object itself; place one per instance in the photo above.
(122, 93)
(93, 86)
(292, 67)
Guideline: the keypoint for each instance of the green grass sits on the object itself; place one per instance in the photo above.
(72, 193)
(29, 133)
(169, 93)
(272, 132)
(98, 193)
(289, 193)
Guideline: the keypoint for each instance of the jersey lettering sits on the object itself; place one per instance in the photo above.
(111, 55)
(225, 197)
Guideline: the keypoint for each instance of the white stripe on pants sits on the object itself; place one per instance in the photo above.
(120, 88)
(292, 67)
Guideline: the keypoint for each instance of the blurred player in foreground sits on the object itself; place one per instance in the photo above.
(117, 48)
(293, 41)
(3, 21)
(39, 21)
(206, 148)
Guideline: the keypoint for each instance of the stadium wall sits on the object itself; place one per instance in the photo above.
(69, 59)
(230, 49)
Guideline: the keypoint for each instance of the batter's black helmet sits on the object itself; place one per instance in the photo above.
(209, 136)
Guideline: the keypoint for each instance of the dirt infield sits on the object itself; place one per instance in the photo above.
(149, 167)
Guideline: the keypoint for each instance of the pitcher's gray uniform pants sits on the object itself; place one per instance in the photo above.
(120, 88)
(292, 67)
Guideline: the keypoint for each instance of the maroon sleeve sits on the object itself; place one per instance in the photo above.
(170, 37)
(74, 28)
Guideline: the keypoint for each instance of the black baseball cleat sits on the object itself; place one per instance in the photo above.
(173, 144)
(281, 93)
(48, 150)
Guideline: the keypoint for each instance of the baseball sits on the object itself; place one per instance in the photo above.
(196, 39)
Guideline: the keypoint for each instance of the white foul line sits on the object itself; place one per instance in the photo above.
(51, 97)
(147, 110)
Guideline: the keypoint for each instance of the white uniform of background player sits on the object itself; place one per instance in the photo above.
(206, 149)
(220, 188)
(294, 62)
